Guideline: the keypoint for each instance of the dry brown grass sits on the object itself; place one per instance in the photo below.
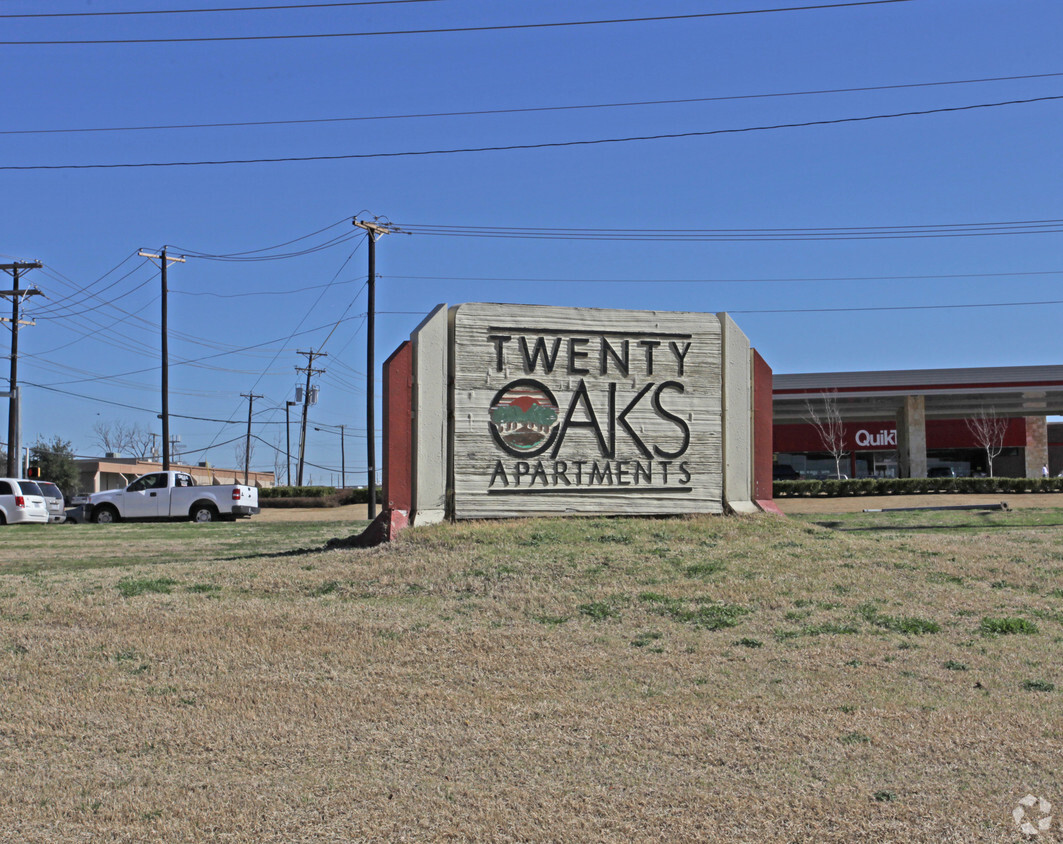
(539, 681)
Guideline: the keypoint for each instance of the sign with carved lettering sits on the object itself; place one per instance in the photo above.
(570, 410)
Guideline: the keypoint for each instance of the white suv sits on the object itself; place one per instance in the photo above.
(21, 501)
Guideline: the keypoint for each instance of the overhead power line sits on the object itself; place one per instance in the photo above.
(255, 252)
(208, 11)
(902, 308)
(531, 109)
(306, 315)
(279, 256)
(155, 411)
(247, 293)
(545, 145)
(980, 229)
(526, 280)
(449, 29)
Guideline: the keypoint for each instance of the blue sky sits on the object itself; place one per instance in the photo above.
(809, 303)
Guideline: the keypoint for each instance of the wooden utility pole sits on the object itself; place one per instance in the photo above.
(374, 230)
(343, 461)
(309, 370)
(288, 444)
(164, 261)
(247, 445)
(14, 405)
(343, 456)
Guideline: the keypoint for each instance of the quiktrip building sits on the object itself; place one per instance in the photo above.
(908, 423)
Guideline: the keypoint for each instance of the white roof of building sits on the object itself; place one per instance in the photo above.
(948, 393)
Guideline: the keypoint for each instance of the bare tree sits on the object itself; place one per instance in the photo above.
(988, 431)
(240, 450)
(123, 438)
(828, 424)
(280, 460)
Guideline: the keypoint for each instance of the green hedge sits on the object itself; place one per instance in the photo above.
(914, 486)
(314, 496)
(296, 492)
(361, 496)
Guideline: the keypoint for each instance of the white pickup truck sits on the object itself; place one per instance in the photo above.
(172, 495)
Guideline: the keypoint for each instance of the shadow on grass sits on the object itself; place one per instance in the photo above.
(332, 544)
(841, 527)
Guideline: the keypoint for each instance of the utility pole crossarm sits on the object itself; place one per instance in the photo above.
(375, 229)
(170, 259)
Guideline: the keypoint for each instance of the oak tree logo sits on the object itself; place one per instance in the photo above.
(524, 417)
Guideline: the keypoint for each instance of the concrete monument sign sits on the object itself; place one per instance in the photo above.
(535, 410)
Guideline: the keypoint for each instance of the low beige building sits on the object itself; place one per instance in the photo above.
(96, 474)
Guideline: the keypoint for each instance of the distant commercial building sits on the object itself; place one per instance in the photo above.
(909, 423)
(113, 472)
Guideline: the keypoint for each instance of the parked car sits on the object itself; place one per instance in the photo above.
(21, 502)
(784, 472)
(53, 497)
(941, 472)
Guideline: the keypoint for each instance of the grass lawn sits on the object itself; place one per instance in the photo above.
(861, 677)
(33, 548)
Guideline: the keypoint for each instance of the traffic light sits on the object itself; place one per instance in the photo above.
(34, 472)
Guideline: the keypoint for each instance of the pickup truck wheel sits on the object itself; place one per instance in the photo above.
(105, 514)
(203, 513)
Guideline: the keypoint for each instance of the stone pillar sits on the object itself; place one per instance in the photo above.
(737, 418)
(911, 437)
(1036, 445)
(431, 353)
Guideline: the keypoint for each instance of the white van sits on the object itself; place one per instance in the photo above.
(21, 502)
(53, 499)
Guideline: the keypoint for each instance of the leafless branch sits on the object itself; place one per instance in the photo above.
(830, 427)
(988, 431)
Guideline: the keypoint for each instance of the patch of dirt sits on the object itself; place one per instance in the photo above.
(347, 513)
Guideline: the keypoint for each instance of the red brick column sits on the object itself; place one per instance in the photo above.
(762, 429)
(398, 429)
(1036, 445)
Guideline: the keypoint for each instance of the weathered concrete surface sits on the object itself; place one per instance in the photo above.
(431, 344)
(737, 418)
